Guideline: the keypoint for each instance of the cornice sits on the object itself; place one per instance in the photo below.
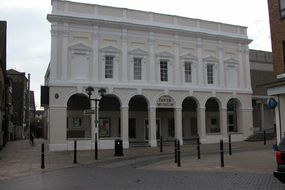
(148, 27)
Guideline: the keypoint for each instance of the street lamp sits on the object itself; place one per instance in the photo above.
(101, 92)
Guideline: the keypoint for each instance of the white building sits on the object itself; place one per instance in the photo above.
(164, 75)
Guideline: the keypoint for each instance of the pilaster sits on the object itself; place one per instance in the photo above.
(152, 126)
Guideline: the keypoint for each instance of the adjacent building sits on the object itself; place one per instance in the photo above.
(261, 72)
(20, 103)
(3, 36)
(165, 75)
(277, 88)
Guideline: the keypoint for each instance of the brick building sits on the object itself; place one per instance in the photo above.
(20, 96)
(277, 88)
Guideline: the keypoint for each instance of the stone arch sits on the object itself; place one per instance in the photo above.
(234, 115)
(212, 97)
(189, 118)
(78, 124)
(212, 109)
(136, 94)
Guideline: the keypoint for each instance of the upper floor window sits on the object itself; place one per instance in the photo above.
(109, 66)
(163, 70)
(188, 71)
(282, 8)
(210, 74)
(137, 68)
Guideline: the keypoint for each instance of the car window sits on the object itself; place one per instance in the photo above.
(282, 145)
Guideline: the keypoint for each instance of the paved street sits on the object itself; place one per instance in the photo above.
(250, 167)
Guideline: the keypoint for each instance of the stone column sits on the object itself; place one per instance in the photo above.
(124, 68)
(200, 68)
(64, 54)
(125, 126)
(247, 70)
(53, 61)
(95, 45)
(152, 126)
(152, 65)
(177, 70)
(57, 128)
(178, 124)
(241, 72)
(221, 66)
(201, 123)
(224, 123)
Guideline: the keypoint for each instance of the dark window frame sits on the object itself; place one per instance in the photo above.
(281, 9)
(163, 70)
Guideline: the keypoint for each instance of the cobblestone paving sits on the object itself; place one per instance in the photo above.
(250, 167)
(94, 177)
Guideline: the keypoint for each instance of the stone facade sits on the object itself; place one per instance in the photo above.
(164, 75)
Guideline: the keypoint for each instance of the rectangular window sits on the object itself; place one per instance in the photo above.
(163, 70)
(282, 8)
(188, 72)
(137, 69)
(109, 67)
(283, 48)
(210, 74)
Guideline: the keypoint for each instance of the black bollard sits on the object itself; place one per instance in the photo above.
(75, 153)
(161, 148)
(175, 151)
(43, 156)
(230, 144)
(178, 154)
(222, 153)
(198, 148)
(96, 147)
(264, 137)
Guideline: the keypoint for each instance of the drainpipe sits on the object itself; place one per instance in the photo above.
(279, 117)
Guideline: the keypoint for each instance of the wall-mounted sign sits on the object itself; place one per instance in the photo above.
(271, 103)
(165, 102)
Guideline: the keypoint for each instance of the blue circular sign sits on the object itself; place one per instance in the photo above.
(271, 103)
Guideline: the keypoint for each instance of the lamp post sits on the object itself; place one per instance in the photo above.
(101, 91)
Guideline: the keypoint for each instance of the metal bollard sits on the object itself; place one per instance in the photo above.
(161, 148)
(175, 151)
(96, 147)
(75, 153)
(198, 148)
(43, 156)
(222, 153)
(264, 137)
(230, 144)
(178, 154)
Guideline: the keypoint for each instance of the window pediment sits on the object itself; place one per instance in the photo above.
(138, 52)
(80, 49)
(211, 59)
(188, 57)
(231, 60)
(110, 50)
(165, 55)
(231, 63)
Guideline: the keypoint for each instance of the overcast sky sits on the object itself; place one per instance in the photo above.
(28, 44)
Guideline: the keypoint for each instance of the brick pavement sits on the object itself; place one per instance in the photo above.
(20, 158)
